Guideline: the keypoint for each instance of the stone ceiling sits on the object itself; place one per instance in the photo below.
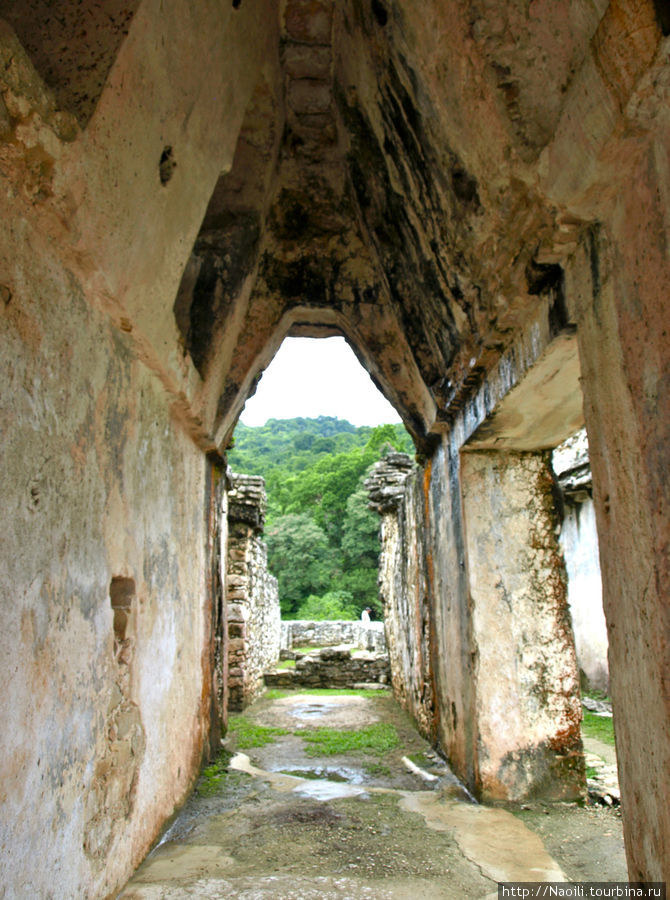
(385, 188)
(409, 179)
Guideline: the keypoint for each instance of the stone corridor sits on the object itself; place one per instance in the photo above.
(476, 195)
(283, 824)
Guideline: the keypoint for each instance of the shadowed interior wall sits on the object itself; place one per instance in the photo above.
(106, 723)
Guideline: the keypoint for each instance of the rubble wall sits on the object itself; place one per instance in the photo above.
(330, 633)
(254, 618)
(396, 492)
(333, 667)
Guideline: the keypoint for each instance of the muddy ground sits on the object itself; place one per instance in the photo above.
(285, 825)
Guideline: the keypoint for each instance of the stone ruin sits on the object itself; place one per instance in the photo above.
(253, 613)
(332, 667)
(475, 194)
(364, 636)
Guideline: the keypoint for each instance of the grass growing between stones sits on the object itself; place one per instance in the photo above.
(600, 728)
(376, 739)
(211, 776)
(278, 693)
(286, 664)
(248, 735)
(376, 768)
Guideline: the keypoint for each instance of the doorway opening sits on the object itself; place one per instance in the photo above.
(313, 430)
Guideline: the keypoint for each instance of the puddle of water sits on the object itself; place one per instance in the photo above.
(338, 774)
(309, 710)
(329, 790)
(317, 790)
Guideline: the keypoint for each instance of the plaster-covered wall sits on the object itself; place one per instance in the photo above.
(106, 560)
(102, 737)
(579, 542)
(528, 711)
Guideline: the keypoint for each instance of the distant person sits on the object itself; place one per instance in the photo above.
(365, 615)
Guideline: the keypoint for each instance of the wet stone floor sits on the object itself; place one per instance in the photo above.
(363, 810)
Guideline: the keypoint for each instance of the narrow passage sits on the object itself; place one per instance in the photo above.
(333, 794)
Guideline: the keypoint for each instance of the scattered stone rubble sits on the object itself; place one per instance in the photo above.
(332, 667)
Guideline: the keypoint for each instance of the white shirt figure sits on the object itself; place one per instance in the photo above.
(365, 616)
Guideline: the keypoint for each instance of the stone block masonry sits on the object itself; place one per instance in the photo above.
(254, 625)
(521, 679)
(329, 633)
(402, 584)
(333, 667)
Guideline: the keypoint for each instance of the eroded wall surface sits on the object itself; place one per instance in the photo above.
(480, 640)
(470, 195)
(253, 613)
(105, 725)
(395, 491)
(106, 562)
(528, 709)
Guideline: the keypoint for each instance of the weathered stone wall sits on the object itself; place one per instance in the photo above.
(579, 543)
(333, 667)
(457, 192)
(447, 555)
(396, 493)
(254, 618)
(301, 633)
(528, 710)
(104, 600)
(109, 502)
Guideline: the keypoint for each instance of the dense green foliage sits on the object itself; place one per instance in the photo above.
(323, 543)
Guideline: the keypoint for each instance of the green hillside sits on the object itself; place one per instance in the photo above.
(322, 540)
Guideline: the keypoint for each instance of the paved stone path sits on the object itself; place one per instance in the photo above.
(342, 826)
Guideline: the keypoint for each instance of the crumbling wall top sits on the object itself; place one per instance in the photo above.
(247, 500)
(386, 483)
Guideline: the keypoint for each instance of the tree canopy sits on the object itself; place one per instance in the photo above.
(323, 542)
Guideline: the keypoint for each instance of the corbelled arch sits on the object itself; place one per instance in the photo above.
(442, 178)
(392, 368)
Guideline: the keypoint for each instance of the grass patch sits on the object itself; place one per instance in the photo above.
(591, 772)
(377, 739)
(247, 734)
(420, 759)
(376, 768)
(595, 694)
(286, 664)
(600, 728)
(279, 693)
(212, 775)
